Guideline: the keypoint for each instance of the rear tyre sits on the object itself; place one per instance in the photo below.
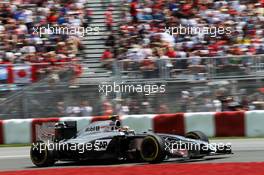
(40, 155)
(197, 135)
(152, 149)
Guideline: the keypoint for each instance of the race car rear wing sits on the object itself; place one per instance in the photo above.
(55, 131)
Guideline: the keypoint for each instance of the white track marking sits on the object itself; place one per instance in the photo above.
(17, 156)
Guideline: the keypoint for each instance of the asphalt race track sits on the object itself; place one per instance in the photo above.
(245, 150)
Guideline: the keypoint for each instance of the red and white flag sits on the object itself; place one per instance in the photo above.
(22, 74)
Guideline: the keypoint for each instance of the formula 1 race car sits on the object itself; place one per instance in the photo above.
(108, 140)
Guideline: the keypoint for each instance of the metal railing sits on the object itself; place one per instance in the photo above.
(193, 68)
(60, 100)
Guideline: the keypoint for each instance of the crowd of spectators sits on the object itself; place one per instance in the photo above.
(82, 109)
(144, 37)
(187, 102)
(20, 23)
(107, 107)
(213, 100)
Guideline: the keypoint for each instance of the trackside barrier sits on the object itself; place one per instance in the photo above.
(214, 124)
(230, 124)
(202, 121)
(139, 123)
(1, 132)
(99, 118)
(254, 123)
(17, 131)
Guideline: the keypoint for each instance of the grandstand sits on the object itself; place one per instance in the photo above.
(94, 44)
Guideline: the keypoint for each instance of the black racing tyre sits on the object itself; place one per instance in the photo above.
(152, 149)
(40, 155)
(197, 135)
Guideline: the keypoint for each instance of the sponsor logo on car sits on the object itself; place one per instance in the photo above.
(101, 145)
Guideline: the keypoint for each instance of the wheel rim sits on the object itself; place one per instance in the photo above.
(149, 149)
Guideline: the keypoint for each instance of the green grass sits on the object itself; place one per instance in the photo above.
(14, 145)
(219, 138)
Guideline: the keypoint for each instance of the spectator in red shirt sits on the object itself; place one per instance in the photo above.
(262, 2)
(187, 9)
(252, 50)
(171, 53)
(53, 17)
(107, 59)
(133, 10)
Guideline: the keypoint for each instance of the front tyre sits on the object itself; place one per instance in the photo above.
(40, 155)
(152, 149)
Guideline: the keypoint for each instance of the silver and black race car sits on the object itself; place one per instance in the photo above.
(108, 140)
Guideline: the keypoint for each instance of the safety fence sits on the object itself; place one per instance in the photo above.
(45, 100)
(213, 124)
(192, 68)
(47, 97)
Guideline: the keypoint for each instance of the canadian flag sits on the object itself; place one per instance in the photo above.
(21, 74)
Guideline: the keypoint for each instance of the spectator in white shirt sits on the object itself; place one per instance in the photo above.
(85, 109)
